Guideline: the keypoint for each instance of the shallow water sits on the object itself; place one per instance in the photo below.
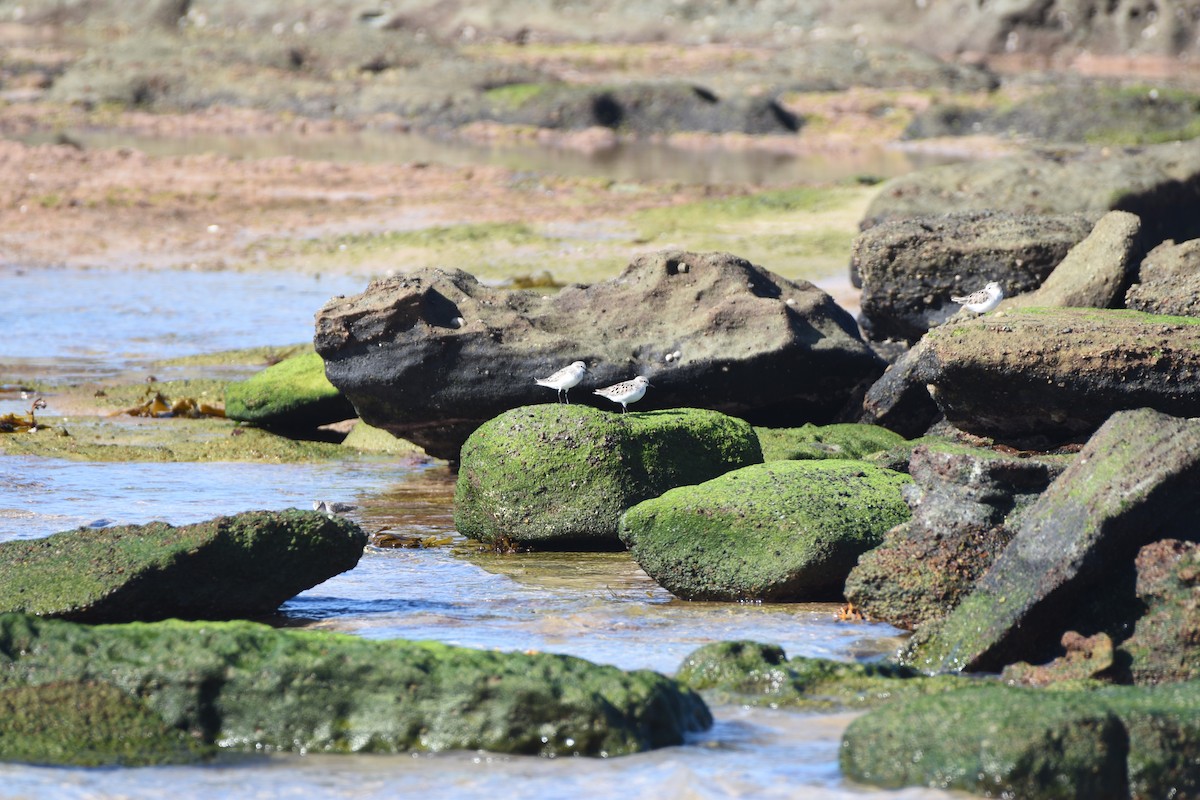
(69, 324)
(638, 160)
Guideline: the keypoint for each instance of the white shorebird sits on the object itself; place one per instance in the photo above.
(564, 379)
(982, 301)
(626, 391)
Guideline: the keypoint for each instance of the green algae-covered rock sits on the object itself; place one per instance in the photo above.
(293, 395)
(1117, 742)
(249, 687)
(244, 565)
(783, 531)
(750, 673)
(561, 475)
(91, 724)
(840, 440)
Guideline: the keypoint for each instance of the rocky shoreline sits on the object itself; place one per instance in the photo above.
(1016, 488)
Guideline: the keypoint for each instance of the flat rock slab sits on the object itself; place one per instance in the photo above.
(559, 476)
(1115, 743)
(780, 532)
(251, 688)
(1136, 481)
(910, 268)
(1160, 183)
(1049, 375)
(431, 355)
(239, 566)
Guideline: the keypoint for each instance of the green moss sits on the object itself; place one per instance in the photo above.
(356, 244)
(1117, 742)
(553, 474)
(749, 673)
(163, 440)
(252, 688)
(843, 440)
(513, 95)
(88, 724)
(658, 222)
(291, 394)
(242, 565)
(781, 531)
(253, 356)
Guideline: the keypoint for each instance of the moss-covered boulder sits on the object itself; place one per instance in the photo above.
(751, 673)
(291, 395)
(249, 687)
(88, 724)
(560, 476)
(781, 532)
(811, 442)
(1118, 742)
(244, 565)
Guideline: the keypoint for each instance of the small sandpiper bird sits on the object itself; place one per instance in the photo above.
(564, 379)
(327, 507)
(982, 301)
(626, 391)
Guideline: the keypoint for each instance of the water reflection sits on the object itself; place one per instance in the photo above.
(625, 161)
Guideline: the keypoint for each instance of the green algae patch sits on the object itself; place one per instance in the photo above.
(245, 565)
(750, 673)
(368, 438)
(1116, 742)
(559, 476)
(242, 356)
(293, 394)
(251, 688)
(88, 724)
(783, 531)
(165, 440)
(840, 440)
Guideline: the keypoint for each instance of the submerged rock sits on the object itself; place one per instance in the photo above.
(432, 355)
(910, 268)
(1042, 376)
(780, 532)
(89, 724)
(750, 673)
(961, 500)
(291, 395)
(811, 442)
(252, 688)
(1070, 563)
(240, 566)
(560, 476)
(1117, 743)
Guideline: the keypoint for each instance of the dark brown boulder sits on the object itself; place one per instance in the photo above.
(910, 268)
(431, 355)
